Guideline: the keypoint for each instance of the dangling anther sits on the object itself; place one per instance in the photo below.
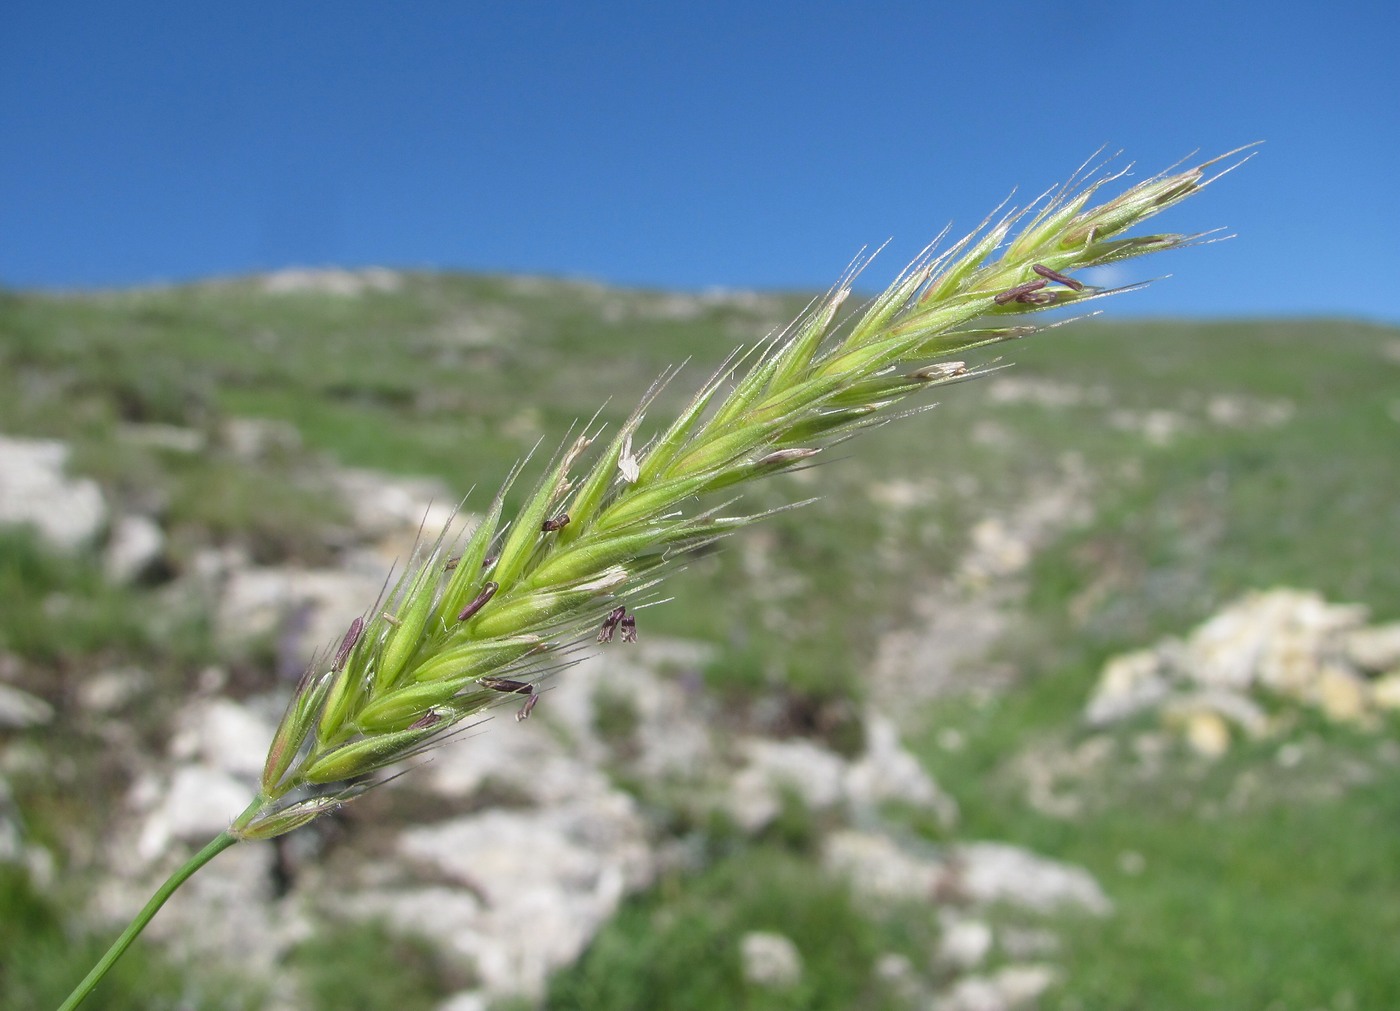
(610, 623)
(512, 687)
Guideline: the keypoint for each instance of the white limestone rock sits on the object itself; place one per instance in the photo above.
(1011, 988)
(107, 691)
(1276, 639)
(770, 960)
(993, 872)
(965, 942)
(535, 885)
(1130, 683)
(223, 735)
(197, 804)
(886, 772)
(309, 609)
(134, 548)
(878, 869)
(1375, 650)
(35, 490)
(815, 774)
(19, 709)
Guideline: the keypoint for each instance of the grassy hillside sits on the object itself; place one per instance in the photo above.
(1190, 462)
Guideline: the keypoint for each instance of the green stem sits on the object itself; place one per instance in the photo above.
(222, 842)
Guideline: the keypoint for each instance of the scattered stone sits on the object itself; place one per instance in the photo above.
(107, 691)
(1238, 411)
(888, 772)
(307, 610)
(480, 326)
(134, 548)
(19, 710)
(1375, 650)
(467, 1000)
(217, 747)
(533, 885)
(1130, 683)
(197, 804)
(517, 891)
(1009, 989)
(391, 511)
(999, 553)
(944, 651)
(1343, 696)
(1230, 707)
(67, 512)
(1158, 427)
(223, 735)
(812, 772)
(1275, 639)
(1052, 773)
(1385, 692)
(1280, 645)
(770, 960)
(1206, 732)
(965, 943)
(990, 872)
(824, 781)
(897, 972)
(878, 869)
(1047, 393)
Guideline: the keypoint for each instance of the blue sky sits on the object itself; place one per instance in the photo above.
(686, 145)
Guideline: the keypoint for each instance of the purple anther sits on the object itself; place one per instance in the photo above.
(348, 643)
(1055, 275)
(629, 628)
(512, 687)
(610, 623)
(479, 601)
(558, 523)
(428, 719)
(1014, 294)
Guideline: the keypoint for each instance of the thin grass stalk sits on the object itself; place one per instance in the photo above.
(220, 843)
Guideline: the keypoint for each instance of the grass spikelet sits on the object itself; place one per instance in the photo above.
(564, 564)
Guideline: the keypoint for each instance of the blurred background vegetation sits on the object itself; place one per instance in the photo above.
(1282, 901)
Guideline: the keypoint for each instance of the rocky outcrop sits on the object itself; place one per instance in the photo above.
(1277, 648)
(531, 845)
